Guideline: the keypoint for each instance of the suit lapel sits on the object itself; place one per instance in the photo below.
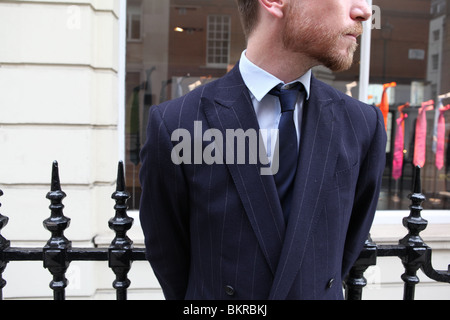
(283, 247)
(316, 168)
(232, 109)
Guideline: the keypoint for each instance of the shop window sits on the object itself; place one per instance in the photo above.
(184, 44)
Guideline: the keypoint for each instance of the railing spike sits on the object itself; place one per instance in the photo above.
(55, 183)
(55, 251)
(417, 187)
(120, 184)
(415, 247)
(121, 247)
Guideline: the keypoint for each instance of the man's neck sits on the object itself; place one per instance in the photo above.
(273, 58)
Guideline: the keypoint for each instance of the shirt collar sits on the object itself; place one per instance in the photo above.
(260, 82)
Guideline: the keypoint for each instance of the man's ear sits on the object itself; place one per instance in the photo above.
(274, 7)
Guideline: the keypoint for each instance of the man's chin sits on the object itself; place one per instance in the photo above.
(338, 65)
(340, 61)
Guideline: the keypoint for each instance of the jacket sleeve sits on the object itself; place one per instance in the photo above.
(366, 196)
(164, 210)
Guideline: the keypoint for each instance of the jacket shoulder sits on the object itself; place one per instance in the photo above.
(353, 108)
(188, 105)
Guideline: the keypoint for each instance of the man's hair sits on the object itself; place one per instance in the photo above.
(248, 10)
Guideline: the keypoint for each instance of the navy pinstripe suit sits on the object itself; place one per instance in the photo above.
(217, 231)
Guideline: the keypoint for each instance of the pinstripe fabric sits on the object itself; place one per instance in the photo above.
(217, 231)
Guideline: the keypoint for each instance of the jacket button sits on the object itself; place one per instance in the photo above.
(229, 290)
(330, 283)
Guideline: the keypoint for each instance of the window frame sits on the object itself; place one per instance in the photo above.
(224, 24)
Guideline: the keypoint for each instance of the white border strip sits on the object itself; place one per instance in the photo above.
(121, 77)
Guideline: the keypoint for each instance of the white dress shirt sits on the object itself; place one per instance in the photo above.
(267, 107)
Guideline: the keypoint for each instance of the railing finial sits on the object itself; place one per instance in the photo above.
(415, 247)
(417, 187)
(415, 223)
(55, 251)
(120, 249)
(55, 182)
(120, 184)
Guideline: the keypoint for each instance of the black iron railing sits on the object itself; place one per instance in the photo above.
(414, 253)
(58, 252)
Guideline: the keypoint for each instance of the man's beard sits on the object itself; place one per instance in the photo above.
(312, 39)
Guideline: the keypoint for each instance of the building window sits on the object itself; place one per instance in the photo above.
(435, 61)
(134, 20)
(436, 34)
(218, 40)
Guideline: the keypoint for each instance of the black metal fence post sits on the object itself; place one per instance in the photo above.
(356, 281)
(120, 250)
(415, 246)
(55, 251)
(4, 244)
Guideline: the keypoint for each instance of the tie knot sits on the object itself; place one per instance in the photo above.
(288, 97)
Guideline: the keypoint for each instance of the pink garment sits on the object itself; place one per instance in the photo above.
(441, 138)
(397, 164)
(421, 134)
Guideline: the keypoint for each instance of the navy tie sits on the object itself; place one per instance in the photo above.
(288, 145)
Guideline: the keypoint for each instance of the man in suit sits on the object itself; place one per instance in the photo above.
(223, 229)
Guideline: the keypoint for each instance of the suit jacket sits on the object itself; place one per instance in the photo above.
(216, 231)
